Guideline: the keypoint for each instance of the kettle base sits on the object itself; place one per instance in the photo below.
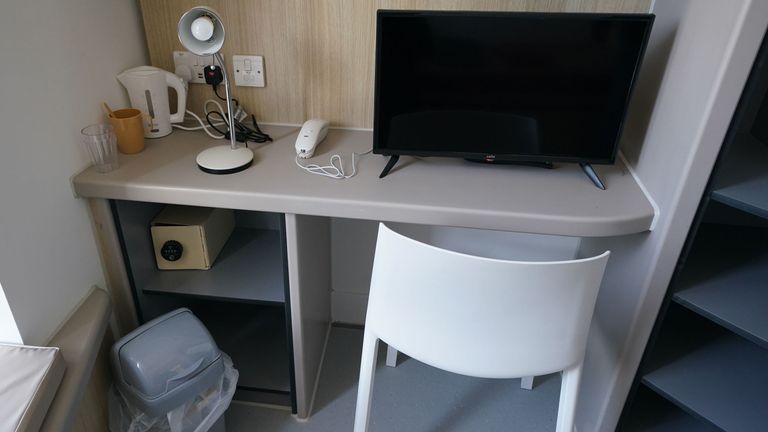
(223, 159)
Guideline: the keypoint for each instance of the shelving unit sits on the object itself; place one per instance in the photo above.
(242, 299)
(706, 364)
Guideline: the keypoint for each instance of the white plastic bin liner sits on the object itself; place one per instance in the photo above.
(198, 415)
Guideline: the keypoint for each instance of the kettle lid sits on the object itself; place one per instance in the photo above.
(139, 72)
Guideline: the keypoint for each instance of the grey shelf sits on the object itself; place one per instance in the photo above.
(653, 413)
(722, 381)
(249, 268)
(726, 280)
(743, 180)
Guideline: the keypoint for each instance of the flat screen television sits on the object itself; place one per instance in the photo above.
(505, 86)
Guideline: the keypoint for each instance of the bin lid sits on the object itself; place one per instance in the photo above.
(164, 354)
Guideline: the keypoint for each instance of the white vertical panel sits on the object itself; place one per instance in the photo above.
(309, 278)
(697, 62)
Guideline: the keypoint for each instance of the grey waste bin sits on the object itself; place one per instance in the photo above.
(170, 369)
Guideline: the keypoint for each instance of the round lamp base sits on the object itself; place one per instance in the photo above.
(224, 160)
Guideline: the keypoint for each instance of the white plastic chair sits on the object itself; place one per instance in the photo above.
(478, 316)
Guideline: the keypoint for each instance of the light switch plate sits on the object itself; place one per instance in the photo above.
(248, 70)
(190, 66)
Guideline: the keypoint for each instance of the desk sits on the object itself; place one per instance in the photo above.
(431, 191)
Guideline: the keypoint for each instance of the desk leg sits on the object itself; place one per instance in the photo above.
(309, 276)
(116, 277)
(391, 356)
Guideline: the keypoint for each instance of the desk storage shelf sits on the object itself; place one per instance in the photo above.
(707, 359)
(241, 299)
(247, 270)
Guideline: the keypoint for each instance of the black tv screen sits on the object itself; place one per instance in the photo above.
(505, 86)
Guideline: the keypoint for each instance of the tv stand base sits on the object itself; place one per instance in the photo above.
(587, 168)
(390, 164)
(592, 174)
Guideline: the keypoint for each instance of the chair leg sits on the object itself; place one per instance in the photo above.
(391, 356)
(526, 383)
(365, 384)
(569, 391)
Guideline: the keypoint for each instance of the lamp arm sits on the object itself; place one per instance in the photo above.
(231, 114)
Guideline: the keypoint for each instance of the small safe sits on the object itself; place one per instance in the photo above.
(190, 238)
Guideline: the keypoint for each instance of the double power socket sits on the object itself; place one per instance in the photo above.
(247, 71)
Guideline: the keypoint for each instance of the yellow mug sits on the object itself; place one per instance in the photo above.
(129, 129)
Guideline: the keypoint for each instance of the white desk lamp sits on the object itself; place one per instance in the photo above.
(201, 31)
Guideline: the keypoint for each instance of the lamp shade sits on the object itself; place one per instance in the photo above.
(201, 31)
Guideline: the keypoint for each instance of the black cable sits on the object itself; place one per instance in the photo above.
(213, 126)
(243, 133)
(216, 92)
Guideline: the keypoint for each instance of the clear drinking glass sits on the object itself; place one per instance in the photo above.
(101, 144)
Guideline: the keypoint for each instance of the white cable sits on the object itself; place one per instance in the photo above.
(333, 171)
(211, 101)
(202, 126)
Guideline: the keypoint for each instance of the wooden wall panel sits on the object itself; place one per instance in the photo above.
(318, 54)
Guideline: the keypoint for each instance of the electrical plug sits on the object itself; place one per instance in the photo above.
(240, 114)
(213, 75)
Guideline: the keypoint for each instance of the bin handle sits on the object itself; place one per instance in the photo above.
(184, 373)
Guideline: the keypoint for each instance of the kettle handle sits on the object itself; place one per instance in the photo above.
(181, 96)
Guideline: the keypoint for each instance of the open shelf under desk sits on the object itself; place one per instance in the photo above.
(254, 336)
(711, 373)
(249, 268)
(726, 280)
(743, 180)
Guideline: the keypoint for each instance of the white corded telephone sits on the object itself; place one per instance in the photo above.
(312, 133)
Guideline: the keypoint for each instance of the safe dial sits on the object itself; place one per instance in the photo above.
(171, 250)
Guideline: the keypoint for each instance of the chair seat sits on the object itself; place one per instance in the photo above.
(29, 378)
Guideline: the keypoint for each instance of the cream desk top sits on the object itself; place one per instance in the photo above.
(433, 191)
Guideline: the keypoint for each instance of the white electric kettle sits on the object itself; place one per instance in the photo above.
(148, 89)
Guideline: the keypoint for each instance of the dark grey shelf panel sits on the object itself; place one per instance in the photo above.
(652, 413)
(722, 381)
(254, 336)
(726, 280)
(249, 268)
(742, 182)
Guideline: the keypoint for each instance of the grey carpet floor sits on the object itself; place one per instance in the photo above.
(412, 397)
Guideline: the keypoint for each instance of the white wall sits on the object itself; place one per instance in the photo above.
(699, 57)
(59, 63)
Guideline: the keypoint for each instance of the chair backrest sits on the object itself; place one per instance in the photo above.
(479, 316)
